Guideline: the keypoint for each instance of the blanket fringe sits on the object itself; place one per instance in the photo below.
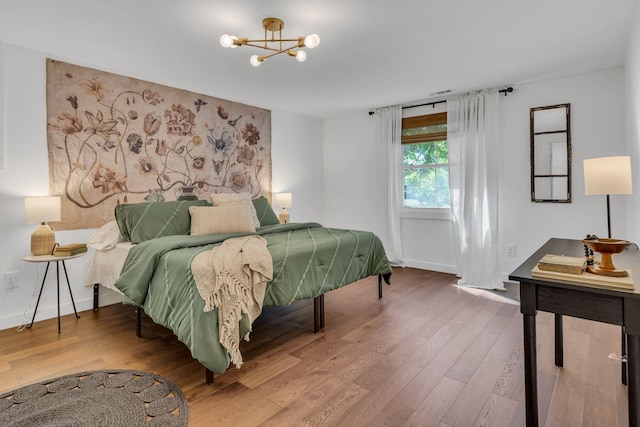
(232, 278)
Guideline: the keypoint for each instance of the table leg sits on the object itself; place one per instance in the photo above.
(623, 353)
(633, 359)
(559, 340)
(69, 286)
(39, 295)
(530, 370)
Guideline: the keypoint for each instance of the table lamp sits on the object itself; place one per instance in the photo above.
(608, 175)
(283, 200)
(42, 210)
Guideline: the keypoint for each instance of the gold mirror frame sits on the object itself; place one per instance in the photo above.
(550, 149)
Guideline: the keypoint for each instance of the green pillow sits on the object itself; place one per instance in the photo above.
(144, 221)
(265, 212)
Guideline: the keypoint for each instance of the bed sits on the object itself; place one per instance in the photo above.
(308, 261)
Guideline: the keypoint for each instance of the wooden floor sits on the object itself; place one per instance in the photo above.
(427, 354)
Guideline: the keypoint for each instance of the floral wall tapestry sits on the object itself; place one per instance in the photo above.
(114, 139)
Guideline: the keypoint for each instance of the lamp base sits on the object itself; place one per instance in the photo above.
(42, 240)
(284, 216)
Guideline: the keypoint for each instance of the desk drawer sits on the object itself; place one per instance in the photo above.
(586, 305)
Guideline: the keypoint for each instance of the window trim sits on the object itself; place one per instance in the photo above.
(439, 214)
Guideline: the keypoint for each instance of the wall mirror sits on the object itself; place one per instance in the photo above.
(551, 153)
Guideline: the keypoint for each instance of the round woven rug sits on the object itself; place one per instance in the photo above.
(97, 398)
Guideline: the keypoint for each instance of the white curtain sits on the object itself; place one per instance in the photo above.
(388, 132)
(472, 137)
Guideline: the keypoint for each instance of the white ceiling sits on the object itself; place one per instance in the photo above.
(372, 52)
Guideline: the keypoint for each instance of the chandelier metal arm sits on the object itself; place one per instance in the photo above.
(272, 48)
(251, 42)
(277, 52)
(299, 40)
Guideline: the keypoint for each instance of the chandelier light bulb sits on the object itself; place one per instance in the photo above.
(312, 40)
(226, 40)
(255, 60)
(301, 56)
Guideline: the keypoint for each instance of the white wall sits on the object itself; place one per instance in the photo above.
(597, 108)
(297, 164)
(597, 130)
(632, 80)
(296, 158)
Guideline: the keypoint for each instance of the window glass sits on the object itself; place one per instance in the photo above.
(425, 162)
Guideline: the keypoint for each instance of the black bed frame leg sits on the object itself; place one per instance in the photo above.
(208, 376)
(379, 286)
(139, 322)
(318, 313)
(96, 296)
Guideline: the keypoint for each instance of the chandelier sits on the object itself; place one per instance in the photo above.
(273, 43)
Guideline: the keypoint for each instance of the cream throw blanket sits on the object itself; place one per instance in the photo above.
(233, 278)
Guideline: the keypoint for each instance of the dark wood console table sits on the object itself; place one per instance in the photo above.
(608, 305)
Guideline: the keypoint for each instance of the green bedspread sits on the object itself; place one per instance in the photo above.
(308, 260)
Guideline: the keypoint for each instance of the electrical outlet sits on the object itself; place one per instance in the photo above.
(511, 250)
(11, 280)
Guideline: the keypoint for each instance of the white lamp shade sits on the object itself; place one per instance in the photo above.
(608, 175)
(42, 209)
(283, 200)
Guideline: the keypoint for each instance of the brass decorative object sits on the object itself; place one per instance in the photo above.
(606, 248)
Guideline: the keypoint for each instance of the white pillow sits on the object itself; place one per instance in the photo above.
(226, 199)
(220, 219)
(106, 237)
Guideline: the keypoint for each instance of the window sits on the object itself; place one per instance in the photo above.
(426, 161)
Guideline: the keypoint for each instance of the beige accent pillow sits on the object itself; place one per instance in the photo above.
(220, 219)
(226, 199)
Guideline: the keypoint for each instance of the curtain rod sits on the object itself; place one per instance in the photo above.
(434, 103)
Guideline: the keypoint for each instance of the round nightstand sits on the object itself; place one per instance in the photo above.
(58, 260)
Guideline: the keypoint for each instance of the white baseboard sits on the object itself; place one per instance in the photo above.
(107, 297)
(445, 268)
(441, 268)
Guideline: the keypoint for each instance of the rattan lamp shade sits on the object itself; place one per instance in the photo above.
(42, 210)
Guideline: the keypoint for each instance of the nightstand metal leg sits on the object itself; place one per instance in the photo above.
(39, 295)
(58, 291)
(70, 293)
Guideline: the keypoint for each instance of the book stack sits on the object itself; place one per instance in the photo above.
(572, 269)
(563, 264)
(70, 249)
